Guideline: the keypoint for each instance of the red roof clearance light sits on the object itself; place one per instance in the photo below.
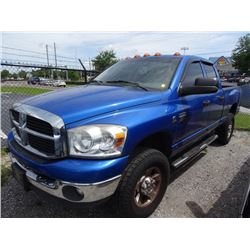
(157, 54)
(177, 54)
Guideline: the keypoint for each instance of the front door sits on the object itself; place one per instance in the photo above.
(195, 110)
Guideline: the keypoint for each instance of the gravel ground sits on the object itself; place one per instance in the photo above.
(212, 186)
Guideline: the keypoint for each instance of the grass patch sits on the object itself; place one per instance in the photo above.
(242, 121)
(4, 152)
(5, 174)
(24, 90)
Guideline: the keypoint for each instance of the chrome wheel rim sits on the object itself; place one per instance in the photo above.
(148, 187)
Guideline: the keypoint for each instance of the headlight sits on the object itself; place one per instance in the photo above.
(97, 140)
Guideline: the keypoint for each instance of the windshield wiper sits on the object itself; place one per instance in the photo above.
(136, 84)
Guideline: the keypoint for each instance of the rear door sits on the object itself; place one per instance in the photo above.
(215, 100)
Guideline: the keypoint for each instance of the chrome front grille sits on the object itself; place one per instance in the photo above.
(38, 131)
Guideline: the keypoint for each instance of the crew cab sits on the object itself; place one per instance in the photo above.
(124, 134)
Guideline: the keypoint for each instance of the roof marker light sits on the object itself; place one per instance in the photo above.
(157, 54)
(146, 54)
(137, 56)
(177, 54)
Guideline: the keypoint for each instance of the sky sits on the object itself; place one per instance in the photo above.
(88, 45)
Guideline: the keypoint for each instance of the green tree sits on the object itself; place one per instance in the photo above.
(38, 73)
(74, 76)
(14, 75)
(5, 74)
(104, 60)
(241, 54)
(22, 74)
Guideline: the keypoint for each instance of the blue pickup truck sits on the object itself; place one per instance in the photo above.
(124, 134)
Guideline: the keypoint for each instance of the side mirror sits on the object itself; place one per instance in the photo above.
(206, 82)
(196, 90)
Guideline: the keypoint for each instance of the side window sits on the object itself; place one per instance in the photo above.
(194, 71)
(210, 72)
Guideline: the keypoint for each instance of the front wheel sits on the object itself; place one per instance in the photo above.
(143, 184)
(225, 131)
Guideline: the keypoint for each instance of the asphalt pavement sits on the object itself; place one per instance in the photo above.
(212, 186)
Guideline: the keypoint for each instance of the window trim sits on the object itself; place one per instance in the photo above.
(215, 71)
(185, 72)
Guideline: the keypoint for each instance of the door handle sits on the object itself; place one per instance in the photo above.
(206, 103)
(182, 116)
(221, 97)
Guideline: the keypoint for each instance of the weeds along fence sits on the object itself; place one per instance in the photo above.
(20, 81)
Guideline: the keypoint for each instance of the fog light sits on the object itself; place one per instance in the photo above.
(72, 193)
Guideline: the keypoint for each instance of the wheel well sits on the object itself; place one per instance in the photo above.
(161, 141)
(233, 109)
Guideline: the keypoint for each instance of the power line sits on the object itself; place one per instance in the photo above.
(38, 57)
(35, 52)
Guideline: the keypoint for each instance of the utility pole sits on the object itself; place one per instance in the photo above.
(55, 54)
(47, 52)
(184, 48)
(89, 64)
(85, 71)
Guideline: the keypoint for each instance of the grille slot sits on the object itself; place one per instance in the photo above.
(39, 125)
(41, 144)
(15, 115)
(17, 130)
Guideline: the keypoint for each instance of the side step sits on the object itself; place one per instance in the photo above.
(194, 151)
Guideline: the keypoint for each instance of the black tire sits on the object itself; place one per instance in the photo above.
(225, 131)
(142, 162)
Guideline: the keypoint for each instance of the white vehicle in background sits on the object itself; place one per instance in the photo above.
(44, 81)
(58, 83)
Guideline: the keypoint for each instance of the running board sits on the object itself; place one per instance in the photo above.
(193, 152)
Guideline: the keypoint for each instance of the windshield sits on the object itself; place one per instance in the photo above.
(151, 72)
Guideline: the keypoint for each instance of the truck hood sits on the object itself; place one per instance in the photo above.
(83, 102)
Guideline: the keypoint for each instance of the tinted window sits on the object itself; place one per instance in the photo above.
(153, 72)
(194, 71)
(210, 72)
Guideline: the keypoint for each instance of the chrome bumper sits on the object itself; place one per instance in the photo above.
(73, 192)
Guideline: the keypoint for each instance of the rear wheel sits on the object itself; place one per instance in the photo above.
(225, 131)
(143, 184)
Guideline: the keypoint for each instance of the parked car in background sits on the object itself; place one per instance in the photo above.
(43, 81)
(245, 79)
(58, 83)
(33, 80)
(124, 134)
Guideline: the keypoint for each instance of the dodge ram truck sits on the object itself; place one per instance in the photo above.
(124, 134)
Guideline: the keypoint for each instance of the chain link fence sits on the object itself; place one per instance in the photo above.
(22, 81)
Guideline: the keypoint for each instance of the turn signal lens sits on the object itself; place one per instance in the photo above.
(120, 137)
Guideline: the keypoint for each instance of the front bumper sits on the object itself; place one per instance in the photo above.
(73, 192)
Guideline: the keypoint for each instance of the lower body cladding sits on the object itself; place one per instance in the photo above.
(73, 192)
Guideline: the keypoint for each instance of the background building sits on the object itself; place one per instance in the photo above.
(224, 65)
